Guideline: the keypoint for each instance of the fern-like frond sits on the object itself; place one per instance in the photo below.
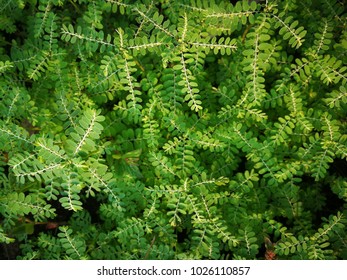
(289, 30)
(74, 247)
(85, 133)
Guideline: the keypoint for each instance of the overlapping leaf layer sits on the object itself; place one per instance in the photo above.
(173, 129)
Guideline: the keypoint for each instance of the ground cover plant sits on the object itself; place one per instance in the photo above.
(173, 129)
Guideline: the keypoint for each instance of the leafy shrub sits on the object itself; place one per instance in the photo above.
(173, 129)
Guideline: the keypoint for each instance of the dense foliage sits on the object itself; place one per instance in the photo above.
(173, 129)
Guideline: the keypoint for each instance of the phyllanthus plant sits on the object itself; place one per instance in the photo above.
(173, 129)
